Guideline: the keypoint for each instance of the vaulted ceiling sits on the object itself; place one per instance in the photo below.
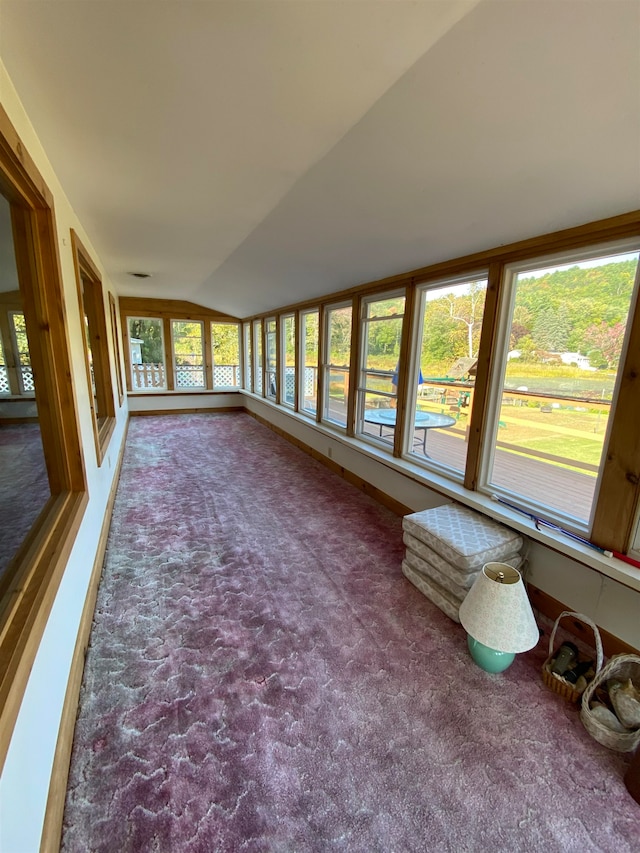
(257, 153)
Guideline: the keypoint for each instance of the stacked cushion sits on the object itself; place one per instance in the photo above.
(446, 548)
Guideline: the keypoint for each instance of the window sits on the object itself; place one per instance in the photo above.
(381, 333)
(248, 366)
(225, 346)
(34, 561)
(21, 348)
(146, 352)
(450, 316)
(91, 305)
(270, 357)
(562, 336)
(257, 367)
(288, 350)
(4, 373)
(308, 390)
(188, 354)
(337, 356)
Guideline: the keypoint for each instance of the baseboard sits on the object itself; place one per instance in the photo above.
(197, 411)
(552, 608)
(54, 812)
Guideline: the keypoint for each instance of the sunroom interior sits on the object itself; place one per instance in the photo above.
(431, 287)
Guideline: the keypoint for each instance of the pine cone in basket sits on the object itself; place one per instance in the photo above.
(625, 698)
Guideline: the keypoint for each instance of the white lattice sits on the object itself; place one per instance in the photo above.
(27, 378)
(190, 376)
(226, 376)
(4, 380)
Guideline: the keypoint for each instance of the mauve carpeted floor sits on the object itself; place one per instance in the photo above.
(261, 677)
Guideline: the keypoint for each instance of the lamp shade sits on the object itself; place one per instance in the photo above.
(496, 611)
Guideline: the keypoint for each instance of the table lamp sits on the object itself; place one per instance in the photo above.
(498, 618)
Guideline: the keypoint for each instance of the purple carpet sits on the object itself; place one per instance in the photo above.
(261, 677)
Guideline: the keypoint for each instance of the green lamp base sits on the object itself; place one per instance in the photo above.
(489, 659)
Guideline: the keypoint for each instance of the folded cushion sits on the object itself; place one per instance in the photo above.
(462, 577)
(440, 597)
(465, 538)
(425, 568)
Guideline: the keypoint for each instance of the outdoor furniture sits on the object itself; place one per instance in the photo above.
(423, 421)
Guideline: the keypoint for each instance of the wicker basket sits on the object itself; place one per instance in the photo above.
(620, 667)
(568, 691)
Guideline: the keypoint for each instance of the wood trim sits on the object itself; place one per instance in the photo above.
(487, 354)
(552, 608)
(113, 315)
(54, 812)
(404, 378)
(354, 364)
(167, 344)
(320, 365)
(174, 309)
(26, 610)
(207, 331)
(31, 586)
(619, 493)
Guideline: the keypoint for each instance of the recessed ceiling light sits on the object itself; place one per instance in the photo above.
(140, 274)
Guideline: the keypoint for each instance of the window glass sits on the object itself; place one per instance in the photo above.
(146, 342)
(188, 354)
(248, 372)
(336, 365)
(379, 364)
(225, 346)
(4, 373)
(561, 348)
(450, 321)
(270, 357)
(309, 358)
(25, 373)
(288, 350)
(257, 343)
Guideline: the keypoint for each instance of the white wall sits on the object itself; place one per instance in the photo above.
(24, 784)
(175, 402)
(604, 589)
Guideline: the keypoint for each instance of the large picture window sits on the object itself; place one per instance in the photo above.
(288, 350)
(257, 362)
(308, 377)
(225, 346)
(146, 354)
(449, 323)
(248, 359)
(270, 356)
(335, 369)
(562, 337)
(381, 335)
(187, 339)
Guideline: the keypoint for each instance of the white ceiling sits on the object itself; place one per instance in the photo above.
(255, 153)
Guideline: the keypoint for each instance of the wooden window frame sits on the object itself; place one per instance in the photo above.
(91, 305)
(30, 583)
(206, 360)
(117, 350)
(166, 310)
(283, 318)
(325, 364)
